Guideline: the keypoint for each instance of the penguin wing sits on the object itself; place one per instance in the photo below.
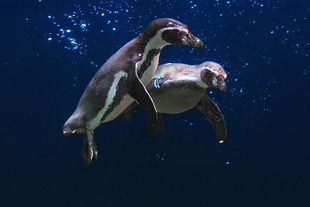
(214, 115)
(138, 92)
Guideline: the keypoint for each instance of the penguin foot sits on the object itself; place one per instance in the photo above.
(89, 150)
(154, 130)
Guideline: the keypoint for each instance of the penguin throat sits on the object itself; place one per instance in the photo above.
(154, 42)
(112, 100)
(146, 67)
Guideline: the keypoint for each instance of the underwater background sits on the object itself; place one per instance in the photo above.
(51, 49)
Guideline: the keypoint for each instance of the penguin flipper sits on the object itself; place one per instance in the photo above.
(138, 92)
(129, 111)
(214, 115)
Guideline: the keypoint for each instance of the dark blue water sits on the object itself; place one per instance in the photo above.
(49, 52)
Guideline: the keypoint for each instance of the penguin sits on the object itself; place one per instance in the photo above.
(176, 88)
(121, 80)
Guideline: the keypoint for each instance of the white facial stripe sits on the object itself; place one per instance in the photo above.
(183, 29)
(214, 81)
(211, 69)
(170, 24)
(112, 91)
(224, 75)
(215, 71)
(155, 42)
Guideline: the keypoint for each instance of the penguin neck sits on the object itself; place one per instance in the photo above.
(152, 40)
(150, 48)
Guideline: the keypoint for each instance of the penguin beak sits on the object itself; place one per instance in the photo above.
(221, 83)
(193, 40)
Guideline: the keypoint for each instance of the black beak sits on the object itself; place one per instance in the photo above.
(221, 83)
(193, 41)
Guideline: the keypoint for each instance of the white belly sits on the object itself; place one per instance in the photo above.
(176, 101)
(110, 98)
(127, 100)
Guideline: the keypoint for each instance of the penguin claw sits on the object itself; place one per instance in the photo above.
(154, 130)
(89, 150)
(89, 153)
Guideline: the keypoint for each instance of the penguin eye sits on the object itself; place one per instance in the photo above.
(172, 36)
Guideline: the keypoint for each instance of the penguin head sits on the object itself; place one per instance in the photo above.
(213, 75)
(172, 32)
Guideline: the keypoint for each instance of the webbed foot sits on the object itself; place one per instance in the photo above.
(89, 150)
(154, 129)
